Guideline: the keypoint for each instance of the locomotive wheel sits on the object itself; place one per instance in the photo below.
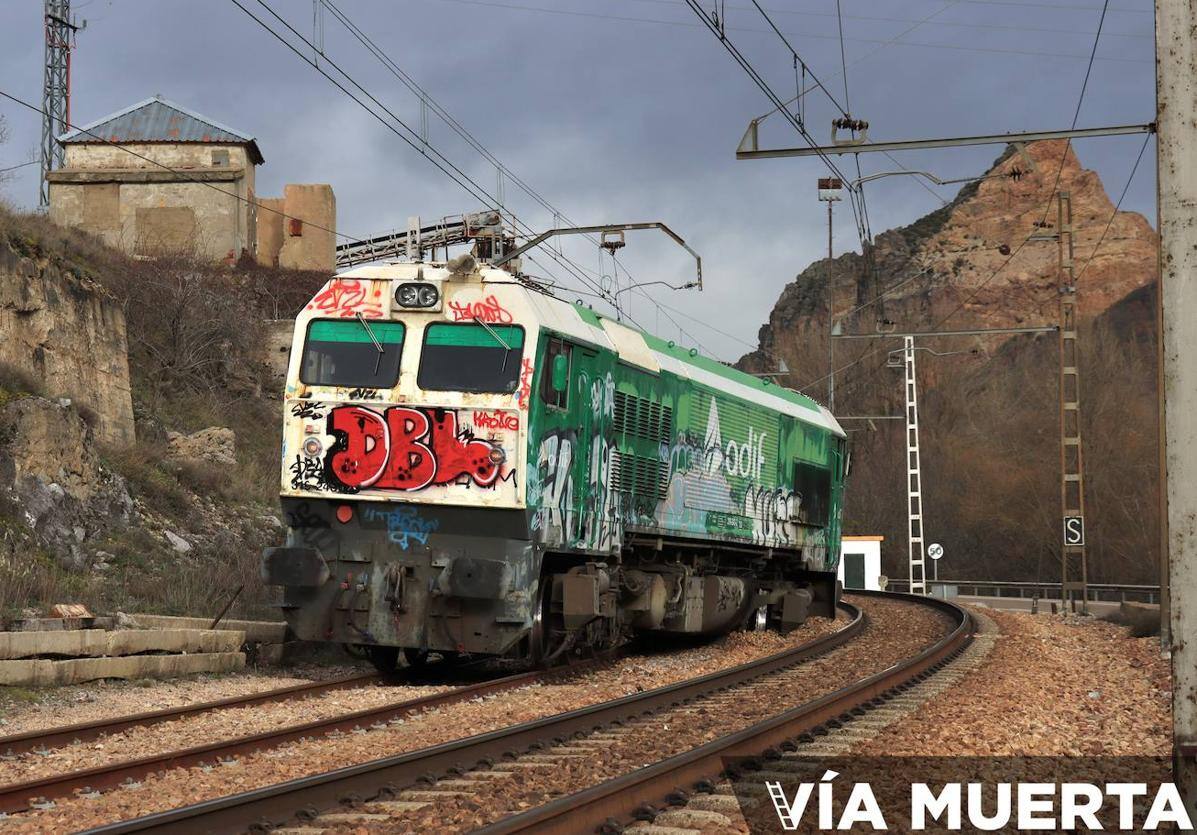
(384, 659)
(547, 631)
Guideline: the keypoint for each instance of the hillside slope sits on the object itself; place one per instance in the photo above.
(990, 436)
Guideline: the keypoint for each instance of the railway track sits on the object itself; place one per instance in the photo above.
(403, 783)
(41, 740)
(421, 785)
(17, 797)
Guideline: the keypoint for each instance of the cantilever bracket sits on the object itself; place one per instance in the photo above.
(590, 230)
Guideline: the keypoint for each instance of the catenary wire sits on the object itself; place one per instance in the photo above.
(441, 162)
(971, 48)
(425, 97)
(1117, 207)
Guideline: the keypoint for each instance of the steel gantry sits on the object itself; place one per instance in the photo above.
(56, 92)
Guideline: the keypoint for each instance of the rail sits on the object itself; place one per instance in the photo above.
(16, 797)
(276, 804)
(616, 801)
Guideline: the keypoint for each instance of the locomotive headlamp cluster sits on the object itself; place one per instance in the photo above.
(498, 455)
(312, 447)
(417, 294)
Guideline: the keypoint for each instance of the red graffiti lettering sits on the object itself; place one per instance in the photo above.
(496, 420)
(360, 459)
(488, 310)
(412, 465)
(347, 297)
(409, 449)
(525, 391)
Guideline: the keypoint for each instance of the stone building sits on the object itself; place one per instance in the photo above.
(296, 231)
(157, 177)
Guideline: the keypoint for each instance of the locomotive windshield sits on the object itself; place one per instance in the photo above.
(352, 352)
(471, 357)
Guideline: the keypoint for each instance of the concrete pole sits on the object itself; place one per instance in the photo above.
(1176, 104)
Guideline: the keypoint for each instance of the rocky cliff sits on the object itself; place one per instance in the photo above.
(966, 265)
(67, 333)
(990, 437)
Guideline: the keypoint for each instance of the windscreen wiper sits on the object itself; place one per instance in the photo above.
(374, 339)
(498, 339)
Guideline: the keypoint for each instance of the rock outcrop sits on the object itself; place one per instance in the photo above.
(51, 475)
(967, 265)
(214, 445)
(68, 334)
(989, 403)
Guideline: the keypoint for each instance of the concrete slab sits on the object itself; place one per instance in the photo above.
(37, 672)
(95, 643)
(258, 631)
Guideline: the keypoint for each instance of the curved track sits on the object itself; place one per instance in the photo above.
(305, 797)
(610, 805)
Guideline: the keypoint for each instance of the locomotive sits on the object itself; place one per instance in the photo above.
(471, 465)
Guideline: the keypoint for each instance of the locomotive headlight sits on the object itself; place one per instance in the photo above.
(312, 447)
(497, 455)
(427, 295)
(417, 294)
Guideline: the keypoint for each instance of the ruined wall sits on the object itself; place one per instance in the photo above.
(301, 240)
(143, 209)
(69, 335)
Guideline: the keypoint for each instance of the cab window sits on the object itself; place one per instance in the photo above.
(812, 483)
(352, 352)
(558, 398)
(471, 357)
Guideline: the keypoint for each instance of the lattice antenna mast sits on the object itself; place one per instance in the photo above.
(914, 476)
(56, 95)
(1074, 567)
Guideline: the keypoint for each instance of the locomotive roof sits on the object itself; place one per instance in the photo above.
(633, 346)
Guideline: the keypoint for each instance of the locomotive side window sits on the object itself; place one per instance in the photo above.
(812, 483)
(554, 395)
(352, 352)
(471, 357)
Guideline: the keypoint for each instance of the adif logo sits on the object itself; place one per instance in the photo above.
(743, 459)
(1023, 807)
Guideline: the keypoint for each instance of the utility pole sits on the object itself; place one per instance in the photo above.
(1074, 569)
(830, 190)
(56, 92)
(914, 478)
(1176, 112)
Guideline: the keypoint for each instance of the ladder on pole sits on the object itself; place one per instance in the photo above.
(914, 478)
(1074, 568)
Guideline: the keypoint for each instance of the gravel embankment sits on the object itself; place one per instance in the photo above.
(185, 786)
(1051, 686)
(895, 631)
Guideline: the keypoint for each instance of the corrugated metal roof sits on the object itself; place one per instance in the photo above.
(159, 120)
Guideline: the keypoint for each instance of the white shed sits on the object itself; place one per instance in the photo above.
(860, 562)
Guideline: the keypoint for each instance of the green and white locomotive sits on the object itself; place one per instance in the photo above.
(472, 465)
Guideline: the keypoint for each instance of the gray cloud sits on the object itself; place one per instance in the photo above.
(612, 119)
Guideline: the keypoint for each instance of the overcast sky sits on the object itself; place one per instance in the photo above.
(625, 110)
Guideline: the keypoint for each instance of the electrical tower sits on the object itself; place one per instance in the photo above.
(56, 95)
(1074, 570)
(914, 478)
